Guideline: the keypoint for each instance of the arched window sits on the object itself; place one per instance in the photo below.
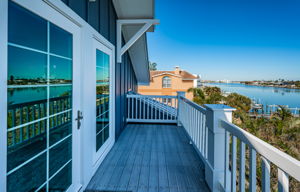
(166, 82)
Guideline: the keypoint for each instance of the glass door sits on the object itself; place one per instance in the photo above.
(40, 103)
(103, 125)
(102, 98)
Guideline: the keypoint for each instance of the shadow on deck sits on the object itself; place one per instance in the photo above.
(151, 157)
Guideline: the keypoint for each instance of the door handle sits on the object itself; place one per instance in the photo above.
(79, 118)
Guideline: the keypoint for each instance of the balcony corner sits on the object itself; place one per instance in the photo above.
(217, 147)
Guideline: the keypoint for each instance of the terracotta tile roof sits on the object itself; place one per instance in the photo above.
(183, 74)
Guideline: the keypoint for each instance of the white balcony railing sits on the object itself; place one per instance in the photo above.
(193, 118)
(151, 108)
(219, 143)
(286, 165)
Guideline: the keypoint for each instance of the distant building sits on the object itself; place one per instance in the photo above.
(169, 83)
(197, 82)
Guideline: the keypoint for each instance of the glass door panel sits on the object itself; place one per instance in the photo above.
(102, 98)
(39, 132)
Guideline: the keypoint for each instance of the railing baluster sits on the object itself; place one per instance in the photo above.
(156, 109)
(252, 181)
(132, 112)
(148, 109)
(195, 126)
(202, 133)
(136, 113)
(21, 122)
(283, 181)
(128, 108)
(265, 165)
(192, 124)
(38, 117)
(159, 113)
(13, 132)
(226, 176)
(140, 109)
(198, 129)
(233, 166)
(144, 102)
(206, 141)
(27, 120)
(163, 114)
(242, 167)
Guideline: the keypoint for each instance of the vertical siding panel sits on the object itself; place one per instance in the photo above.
(65, 1)
(118, 99)
(112, 25)
(80, 7)
(104, 18)
(93, 14)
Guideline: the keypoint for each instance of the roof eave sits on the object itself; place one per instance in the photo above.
(137, 9)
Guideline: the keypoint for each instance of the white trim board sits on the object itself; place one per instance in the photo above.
(3, 92)
(166, 73)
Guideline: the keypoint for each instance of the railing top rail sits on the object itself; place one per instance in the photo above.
(195, 105)
(282, 160)
(151, 96)
(12, 106)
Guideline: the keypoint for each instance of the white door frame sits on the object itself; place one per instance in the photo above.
(44, 10)
(99, 155)
(3, 93)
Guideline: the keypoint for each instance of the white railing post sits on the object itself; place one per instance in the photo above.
(179, 94)
(215, 163)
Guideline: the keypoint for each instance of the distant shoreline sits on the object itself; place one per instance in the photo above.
(259, 85)
(275, 86)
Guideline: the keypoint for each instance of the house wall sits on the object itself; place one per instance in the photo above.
(101, 15)
(177, 84)
(100, 31)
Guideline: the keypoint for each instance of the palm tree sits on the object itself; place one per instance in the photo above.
(198, 94)
(283, 113)
(240, 102)
(213, 95)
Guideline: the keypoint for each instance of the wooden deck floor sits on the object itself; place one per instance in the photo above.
(150, 158)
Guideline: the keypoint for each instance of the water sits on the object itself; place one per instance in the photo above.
(22, 95)
(264, 95)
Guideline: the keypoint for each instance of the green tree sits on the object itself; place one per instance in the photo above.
(213, 95)
(198, 94)
(152, 66)
(240, 102)
(283, 113)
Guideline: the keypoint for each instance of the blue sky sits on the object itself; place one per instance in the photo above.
(236, 40)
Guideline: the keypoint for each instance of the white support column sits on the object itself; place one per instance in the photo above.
(179, 94)
(147, 24)
(215, 164)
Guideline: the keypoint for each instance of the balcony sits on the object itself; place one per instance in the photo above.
(151, 157)
(204, 151)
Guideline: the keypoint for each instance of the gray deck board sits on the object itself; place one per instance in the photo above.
(151, 157)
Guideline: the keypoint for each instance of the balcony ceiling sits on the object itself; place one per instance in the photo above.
(136, 9)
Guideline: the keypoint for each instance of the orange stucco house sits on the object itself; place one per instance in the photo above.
(169, 83)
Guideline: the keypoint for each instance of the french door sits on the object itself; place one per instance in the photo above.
(42, 99)
(103, 132)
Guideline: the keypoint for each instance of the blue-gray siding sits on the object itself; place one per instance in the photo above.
(101, 16)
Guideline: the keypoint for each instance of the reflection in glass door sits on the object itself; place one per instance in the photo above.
(102, 98)
(39, 132)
